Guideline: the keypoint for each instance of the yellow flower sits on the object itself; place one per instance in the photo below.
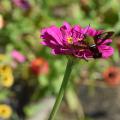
(5, 69)
(6, 76)
(5, 111)
(7, 81)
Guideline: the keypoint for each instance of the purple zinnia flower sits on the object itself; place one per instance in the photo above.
(75, 41)
(24, 4)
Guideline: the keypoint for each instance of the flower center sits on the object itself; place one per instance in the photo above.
(70, 40)
(112, 74)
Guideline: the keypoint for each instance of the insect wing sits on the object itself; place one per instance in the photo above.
(104, 36)
(107, 35)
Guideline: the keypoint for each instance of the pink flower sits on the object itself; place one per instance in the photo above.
(24, 4)
(18, 56)
(75, 41)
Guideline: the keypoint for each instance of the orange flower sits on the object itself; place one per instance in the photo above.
(39, 66)
(112, 76)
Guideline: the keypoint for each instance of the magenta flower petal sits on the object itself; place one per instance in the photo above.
(52, 33)
(49, 41)
(89, 31)
(77, 28)
(92, 32)
(55, 51)
(106, 51)
(51, 44)
(67, 26)
(61, 51)
(65, 31)
(107, 41)
(56, 34)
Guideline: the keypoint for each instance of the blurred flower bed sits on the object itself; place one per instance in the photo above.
(29, 73)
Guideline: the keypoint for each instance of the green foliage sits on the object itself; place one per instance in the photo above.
(21, 31)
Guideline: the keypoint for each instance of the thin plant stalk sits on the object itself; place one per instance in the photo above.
(62, 89)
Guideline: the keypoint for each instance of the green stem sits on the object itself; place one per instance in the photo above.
(62, 89)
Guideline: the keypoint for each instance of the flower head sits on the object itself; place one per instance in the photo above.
(6, 76)
(112, 76)
(5, 111)
(24, 4)
(18, 56)
(39, 66)
(6, 73)
(76, 41)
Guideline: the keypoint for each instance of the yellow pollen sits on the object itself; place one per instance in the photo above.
(70, 40)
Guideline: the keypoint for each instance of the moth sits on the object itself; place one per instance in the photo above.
(93, 47)
(91, 43)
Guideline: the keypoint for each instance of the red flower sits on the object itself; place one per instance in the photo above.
(39, 66)
(112, 76)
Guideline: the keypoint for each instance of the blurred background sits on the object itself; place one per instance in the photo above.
(30, 77)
